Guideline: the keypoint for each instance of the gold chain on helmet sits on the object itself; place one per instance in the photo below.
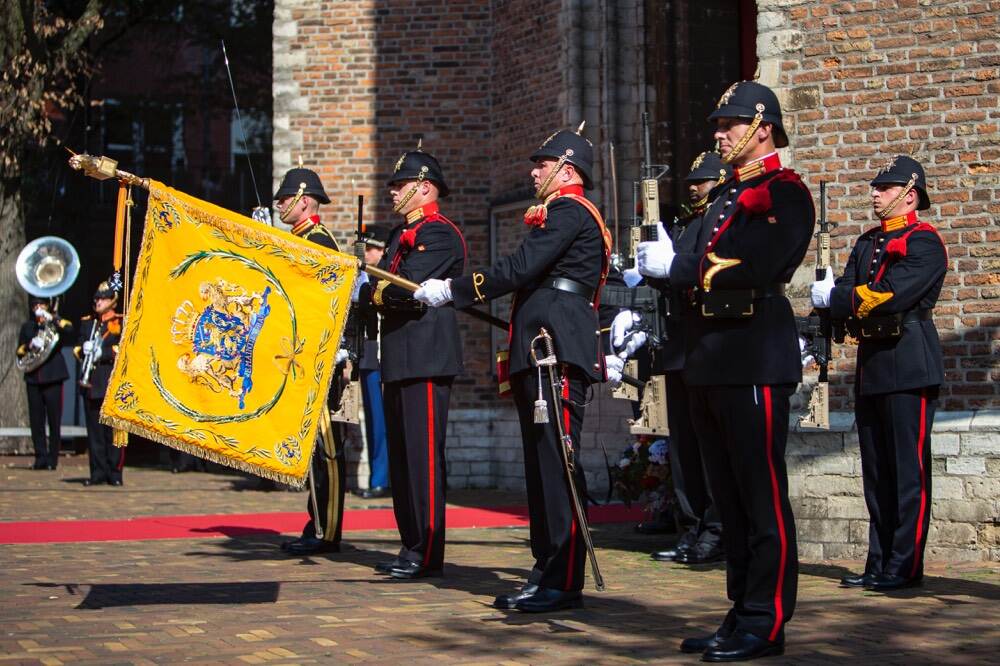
(413, 190)
(887, 211)
(543, 189)
(741, 145)
(283, 214)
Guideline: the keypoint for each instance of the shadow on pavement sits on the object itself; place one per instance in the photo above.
(111, 595)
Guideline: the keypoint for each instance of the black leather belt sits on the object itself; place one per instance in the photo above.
(880, 327)
(734, 303)
(572, 286)
(918, 315)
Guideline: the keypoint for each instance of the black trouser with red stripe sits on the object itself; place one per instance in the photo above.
(45, 404)
(106, 459)
(416, 419)
(894, 430)
(743, 430)
(556, 540)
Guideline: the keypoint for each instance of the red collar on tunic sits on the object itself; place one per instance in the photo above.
(420, 213)
(302, 226)
(899, 221)
(766, 164)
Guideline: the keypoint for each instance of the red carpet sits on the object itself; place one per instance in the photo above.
(244, 524)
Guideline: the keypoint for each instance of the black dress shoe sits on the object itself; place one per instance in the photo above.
(92, 482)
(407, 570)
(670, 554)
(509, 601)
(699, 555)
(700, 644)
(742, 646)
(116, 482)
(889, 582)
(311, 546)
(857, 580)
(39, 465)
(388, 565)
(546, 600)
(375, 493)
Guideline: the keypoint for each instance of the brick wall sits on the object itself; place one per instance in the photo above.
(861, 81)
(483, 81)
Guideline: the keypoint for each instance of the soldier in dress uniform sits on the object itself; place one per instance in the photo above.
(298, 201)
(106, 459)
(421, 353)
(45, 383)
(370, 375)
(742, 363)
(886, 297)
(555, 275)
(701, 542)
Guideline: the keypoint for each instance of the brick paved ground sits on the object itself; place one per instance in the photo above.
(238, 600)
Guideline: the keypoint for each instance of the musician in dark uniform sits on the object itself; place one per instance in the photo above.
(370, 375)
(98, 345)
(421, 353)
(555, 275)
(298, 201)
(701, 541)
(742, 363)
(45, 383)
(886, 296)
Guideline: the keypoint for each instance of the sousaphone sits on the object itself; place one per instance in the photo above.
(46, 267)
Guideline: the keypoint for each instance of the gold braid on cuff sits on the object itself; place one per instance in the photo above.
(478, 279)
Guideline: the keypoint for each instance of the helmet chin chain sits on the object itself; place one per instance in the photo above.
(887, 211)
(543, 189)
(741, 145)
(413, 190)
(283, 214)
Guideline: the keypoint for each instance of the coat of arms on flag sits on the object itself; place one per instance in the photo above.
(229, 342)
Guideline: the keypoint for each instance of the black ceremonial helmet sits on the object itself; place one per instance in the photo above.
(300, 181)
(755, 102)
(297, 183)
(905, 171)
(567, 146)
(418, 165)
(708, 166)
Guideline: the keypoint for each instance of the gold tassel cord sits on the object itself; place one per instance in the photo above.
(119, 437)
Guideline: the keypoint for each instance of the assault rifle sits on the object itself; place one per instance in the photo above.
(817, 329)
(645, 300)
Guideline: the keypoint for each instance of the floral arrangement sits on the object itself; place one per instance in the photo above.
(642, 474)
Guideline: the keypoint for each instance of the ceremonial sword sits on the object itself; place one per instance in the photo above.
(549, 361)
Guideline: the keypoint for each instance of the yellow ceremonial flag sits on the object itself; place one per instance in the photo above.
(229, 343)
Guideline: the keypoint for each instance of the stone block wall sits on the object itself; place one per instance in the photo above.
(824, 473)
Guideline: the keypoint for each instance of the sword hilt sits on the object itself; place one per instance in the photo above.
(543, 343)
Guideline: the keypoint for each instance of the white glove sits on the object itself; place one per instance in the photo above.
(821, 290)
(36, 343)
(362, 279)
(341, 356)
(614, 364)
(434, 293)
(623, 322)
(631, 277)
(634, 342)
(43, 314)
(654, 258)
(807, 359)
(98, 353)
(87, 346)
